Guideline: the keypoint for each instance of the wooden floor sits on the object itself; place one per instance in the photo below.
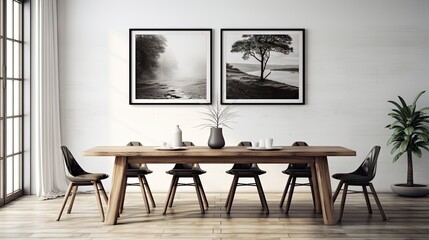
(29, 218)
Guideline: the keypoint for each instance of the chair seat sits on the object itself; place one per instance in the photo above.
(352, 178)
(88, 177)
(137, 172)
(246, 172)
(297, 172)
(185, 172)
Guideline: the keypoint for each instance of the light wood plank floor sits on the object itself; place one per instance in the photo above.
(408, 218)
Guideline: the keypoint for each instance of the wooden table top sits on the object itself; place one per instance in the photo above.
(285, 151)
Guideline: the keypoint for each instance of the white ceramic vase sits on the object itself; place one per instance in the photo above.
(176, 137)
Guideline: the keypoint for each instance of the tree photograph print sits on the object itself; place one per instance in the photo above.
(262, 66)
(170, 66)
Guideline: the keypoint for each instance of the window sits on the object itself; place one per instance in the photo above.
(11, 100)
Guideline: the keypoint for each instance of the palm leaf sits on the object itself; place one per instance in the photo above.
(418, 152)
(397, 130)
(409, 130)
(397, 156)
(426, 147)
(397, 117)
(405, 107)
(417, 97)
(395, 147)
(400, 114)
(423, 137)
(395, 103)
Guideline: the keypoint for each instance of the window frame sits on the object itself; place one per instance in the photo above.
(16, 79)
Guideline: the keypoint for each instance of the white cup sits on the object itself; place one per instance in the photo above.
(261, 143)
(255, 144)
(268, 142)
(163, 144)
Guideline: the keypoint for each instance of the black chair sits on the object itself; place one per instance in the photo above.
(246, 170)
(139, 171)
(79, 177)
(184, 170)
(361, 177)
(302, 170)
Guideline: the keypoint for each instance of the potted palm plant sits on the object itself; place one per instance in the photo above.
(217, 116)
(410, 135)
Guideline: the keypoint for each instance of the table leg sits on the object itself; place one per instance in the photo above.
(118, 179)
(315, 188)
(324, 183)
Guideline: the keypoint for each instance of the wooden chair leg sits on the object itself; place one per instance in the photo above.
(146, 202)
(200, 199)
(374, 194)
(173, 180)
(173, 192)
(343, 201)
(103, 192)
(229, 193)
(312, 192)
(97, 196)
(261, 198)
(232, 193)
(261, 194)
(289, 198)
(73, 192)
(203, 193)
(368, 204)
(149, 191)
(285, 191)
(66, 197)
(337, 191)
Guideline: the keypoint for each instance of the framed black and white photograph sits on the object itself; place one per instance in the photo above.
(170, 66)
(262, 66)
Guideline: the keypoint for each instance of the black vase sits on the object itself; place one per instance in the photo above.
(216, 140)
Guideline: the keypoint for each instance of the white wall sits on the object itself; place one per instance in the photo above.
(359, 54)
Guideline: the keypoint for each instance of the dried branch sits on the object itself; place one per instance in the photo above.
(217, 116)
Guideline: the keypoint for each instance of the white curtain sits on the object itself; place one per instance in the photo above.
(46, 140)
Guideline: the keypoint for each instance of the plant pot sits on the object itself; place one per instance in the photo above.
(416, 190)
(216, 140)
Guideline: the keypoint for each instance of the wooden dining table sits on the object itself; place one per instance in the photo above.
(316, 156)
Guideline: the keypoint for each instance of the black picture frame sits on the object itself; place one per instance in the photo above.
(170, 66)
(244, 72)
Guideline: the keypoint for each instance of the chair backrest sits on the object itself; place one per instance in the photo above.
(296, 166)
(299, 143)
(244, 165)
(187, 144)
(134, 143)
(135, 165)
(187, 165)
(72, 166)
(368, 167)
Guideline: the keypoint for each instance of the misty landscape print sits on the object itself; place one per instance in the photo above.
(262, 67)
(171, 66)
